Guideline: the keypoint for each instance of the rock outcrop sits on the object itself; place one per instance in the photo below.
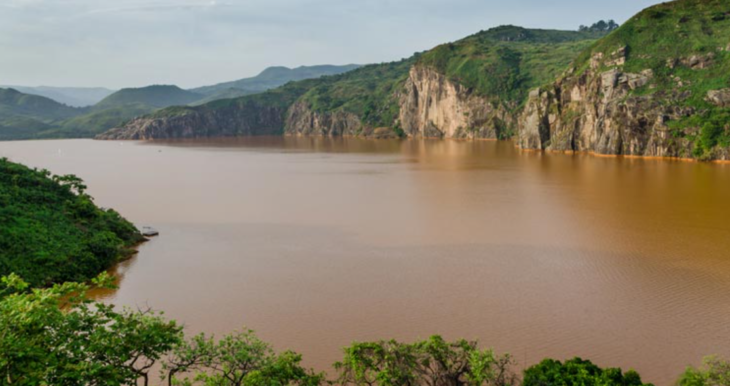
(433, 106)
(301, 119)
(233, 120)
(596, 111)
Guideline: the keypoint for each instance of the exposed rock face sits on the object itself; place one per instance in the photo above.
(234, 120)
(595, 111)
(302, 120)
(433, 106)
(719, 97)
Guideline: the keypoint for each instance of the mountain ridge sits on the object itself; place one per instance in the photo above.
(368, 101)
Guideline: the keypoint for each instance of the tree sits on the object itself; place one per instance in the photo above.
(577, 371)
(600, 26)
(715, 371)
(57, 336)
(238, 359)
(433, 362)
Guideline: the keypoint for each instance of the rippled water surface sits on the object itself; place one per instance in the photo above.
(315, 243)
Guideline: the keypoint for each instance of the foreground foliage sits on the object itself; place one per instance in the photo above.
(430, 362)
(57, 336)
(578, 372)
(51, 231)
(715, 371)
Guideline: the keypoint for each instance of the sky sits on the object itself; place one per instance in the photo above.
(133, 43)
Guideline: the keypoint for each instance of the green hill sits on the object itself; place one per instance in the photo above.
(16, 103)
(497, 66)
(154, 96)
(504, 63)
(660, 84)
(52, 231)
(71, 96)
(270, 78)
(25, 116)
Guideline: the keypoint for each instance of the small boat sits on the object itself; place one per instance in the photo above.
(149, 232)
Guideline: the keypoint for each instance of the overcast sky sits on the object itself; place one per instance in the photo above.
(129, 43)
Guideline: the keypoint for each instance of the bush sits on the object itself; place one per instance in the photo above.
(577, 371)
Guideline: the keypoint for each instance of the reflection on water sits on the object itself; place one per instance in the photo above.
(317, 242)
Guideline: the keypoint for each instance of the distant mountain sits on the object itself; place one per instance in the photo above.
(157, 96)
(471, 88)
(25, 116)
(71, 96)
(271, 78)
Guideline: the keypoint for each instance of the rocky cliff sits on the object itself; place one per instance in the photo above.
(433, 106)
(301, 119)
(595, 111)
(235, 120)
(642, 91)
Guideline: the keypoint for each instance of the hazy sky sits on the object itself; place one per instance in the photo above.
(126, 43)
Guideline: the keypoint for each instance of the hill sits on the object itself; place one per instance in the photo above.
(52, 231)
(391, 99)
(27, 116)
(154, 96)
(657, 86)
(70, 96)
(271, 78)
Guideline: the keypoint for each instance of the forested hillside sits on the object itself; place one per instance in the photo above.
(53, 232)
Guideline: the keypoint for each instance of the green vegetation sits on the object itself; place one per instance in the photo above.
(71, 96)
(28, 116)
(51, 230)
(271, 78)
(600, 26)
(686, 44)
(368, 92)
(24, 116)
(98, 121)
(58, 336)
(154, 96)
(505, 63)
(714, 372)
(577, 372)
(430, 362)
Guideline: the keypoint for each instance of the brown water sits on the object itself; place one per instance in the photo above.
(315, 243)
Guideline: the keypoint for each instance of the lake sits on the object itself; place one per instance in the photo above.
(318, 242)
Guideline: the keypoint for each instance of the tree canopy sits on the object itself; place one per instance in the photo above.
(53, 232)
(600, 26)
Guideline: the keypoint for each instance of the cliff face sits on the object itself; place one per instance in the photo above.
(233, 120)
(597, 111)
(433, 106)
(302, 120)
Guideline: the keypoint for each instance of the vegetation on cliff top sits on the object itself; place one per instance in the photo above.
(686, 45)
(502, 63)
(52, 231)
(369, 92)
(505, 63)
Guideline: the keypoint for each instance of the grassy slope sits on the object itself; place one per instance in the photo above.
(273, 77)
(505, 63)
(51, 234)
(28, 116)
(369, 92)
(25, 116)
(154, 96)
(675, 31)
